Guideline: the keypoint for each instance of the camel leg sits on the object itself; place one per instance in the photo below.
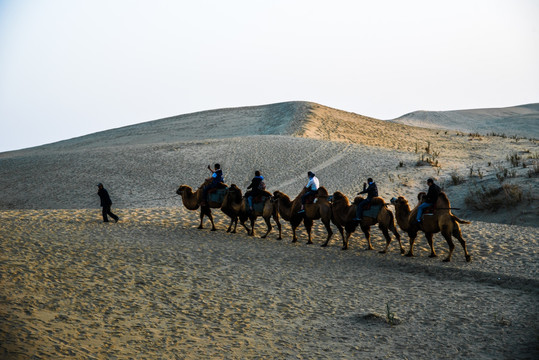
(398, 236)
(243, 218)
(232, 223)
(268, 224)
(308, 226)
(210, 216)
(201, 226)
(245, 227)
(366, 230)
(278, 222)
(386, 235)
(294, 224)
(412, 236)
(341, 230)
(294, 236)
(447, 235)
(235, 225)
(253, 221)
(429, 237)
(458, 235)
(329, 231)
(345, 241)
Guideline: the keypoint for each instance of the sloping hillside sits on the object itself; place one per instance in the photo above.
(520, 121)
(274, 119)
(142, 165)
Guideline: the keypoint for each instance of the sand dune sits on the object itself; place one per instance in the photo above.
(152, 286)
(512, 121)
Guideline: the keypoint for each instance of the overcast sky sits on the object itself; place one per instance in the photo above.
(74, 67)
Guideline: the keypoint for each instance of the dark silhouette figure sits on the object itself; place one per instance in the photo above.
(106, 203)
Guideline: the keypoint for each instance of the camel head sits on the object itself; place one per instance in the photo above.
(233, 189)
(277, 194)
(181, 189)
(400, 201)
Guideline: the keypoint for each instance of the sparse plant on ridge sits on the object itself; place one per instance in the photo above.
(456, 179)
(514, 159)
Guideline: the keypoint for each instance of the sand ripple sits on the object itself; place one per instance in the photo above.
(152, 286)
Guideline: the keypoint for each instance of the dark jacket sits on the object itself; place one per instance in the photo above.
(255, 183)
(432, 194)
(371, 191)
(104, 196)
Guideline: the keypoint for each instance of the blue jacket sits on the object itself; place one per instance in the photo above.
(217, 176)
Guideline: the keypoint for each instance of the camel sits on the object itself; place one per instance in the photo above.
(440, 221)
(268, 211)
(319, 210)
(231, 206)
(191, 200)
(343, 214)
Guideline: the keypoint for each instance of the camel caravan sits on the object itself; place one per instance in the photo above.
(431, 215)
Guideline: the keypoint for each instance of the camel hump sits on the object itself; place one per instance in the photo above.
(322, 191)
(377, 201)
(443, 198)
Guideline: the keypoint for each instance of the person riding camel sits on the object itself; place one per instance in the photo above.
(430, 199)
(216, 179)
(312, 189)
(257, 187)
(372, 192)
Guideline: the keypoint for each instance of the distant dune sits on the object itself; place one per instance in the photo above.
(517, 120)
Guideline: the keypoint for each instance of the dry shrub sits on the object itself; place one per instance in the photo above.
(456, 179)
(493, 198)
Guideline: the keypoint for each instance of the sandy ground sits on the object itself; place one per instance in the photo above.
(153, 286)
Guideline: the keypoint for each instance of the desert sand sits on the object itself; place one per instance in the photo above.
(154, 286)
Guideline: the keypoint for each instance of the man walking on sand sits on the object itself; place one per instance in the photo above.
(105, 203)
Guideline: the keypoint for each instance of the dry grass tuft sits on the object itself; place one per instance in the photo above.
(493, 198)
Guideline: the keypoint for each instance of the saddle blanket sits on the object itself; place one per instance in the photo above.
(217, 196)
(258, 203)
(372, 211)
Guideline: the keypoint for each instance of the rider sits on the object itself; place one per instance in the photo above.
(430, 199)
(371, 191)
(257, 186)
(312, 189)
(216, 179)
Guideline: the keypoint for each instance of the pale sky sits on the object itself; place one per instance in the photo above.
(73, 67)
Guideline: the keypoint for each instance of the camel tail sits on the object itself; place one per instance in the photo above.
(459, 220)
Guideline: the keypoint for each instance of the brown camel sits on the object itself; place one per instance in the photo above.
(268, 211)
(191, 200)
(343, 214)
(321, 209)
(232, 205)
(440, 221)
